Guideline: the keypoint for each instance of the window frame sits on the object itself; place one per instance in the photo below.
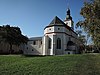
(49, 43)
(58, 43)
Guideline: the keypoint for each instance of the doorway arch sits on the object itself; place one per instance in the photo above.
(71, 45)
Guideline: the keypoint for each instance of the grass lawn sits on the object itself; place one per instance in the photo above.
(85, 64)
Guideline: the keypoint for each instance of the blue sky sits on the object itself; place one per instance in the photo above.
(33, 15)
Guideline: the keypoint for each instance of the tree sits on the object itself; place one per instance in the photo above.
(1, 33)
(81, 37)
(91, 22)
(12, 35)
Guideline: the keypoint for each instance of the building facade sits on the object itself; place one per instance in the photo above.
(59, 38)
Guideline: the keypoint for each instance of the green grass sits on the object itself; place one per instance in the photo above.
(87, 64)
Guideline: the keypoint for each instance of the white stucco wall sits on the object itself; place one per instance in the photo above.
(31, 49)
(48, 30)
(69, 23)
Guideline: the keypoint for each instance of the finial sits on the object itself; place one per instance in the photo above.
(68, 11)
(68, 8)
(67, 3)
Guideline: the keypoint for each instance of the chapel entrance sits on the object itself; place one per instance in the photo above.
(71, 45)
(71, 48)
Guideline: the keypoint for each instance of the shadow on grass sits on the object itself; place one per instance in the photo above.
(33, 55)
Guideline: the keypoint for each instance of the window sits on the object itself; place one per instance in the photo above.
(50, 29)
(32, 50)
(58, 43)
(58, 28)
(41, 42)
(49, 43)
(27, 43)
(68, 52)
(34, 42)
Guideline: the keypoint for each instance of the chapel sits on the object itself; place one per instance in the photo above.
(59, 38)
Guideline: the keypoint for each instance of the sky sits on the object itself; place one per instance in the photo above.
(32, 16)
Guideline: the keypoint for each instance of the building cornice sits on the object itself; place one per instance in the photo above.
(60, 33)
(62, 26)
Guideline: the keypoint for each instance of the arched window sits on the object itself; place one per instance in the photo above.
(58, 43)
(49, 43)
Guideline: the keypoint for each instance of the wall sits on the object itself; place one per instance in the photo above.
(31, 49)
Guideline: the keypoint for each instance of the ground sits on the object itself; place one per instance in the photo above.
(84, 64)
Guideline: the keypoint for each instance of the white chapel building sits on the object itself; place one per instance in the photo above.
(59, 38)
